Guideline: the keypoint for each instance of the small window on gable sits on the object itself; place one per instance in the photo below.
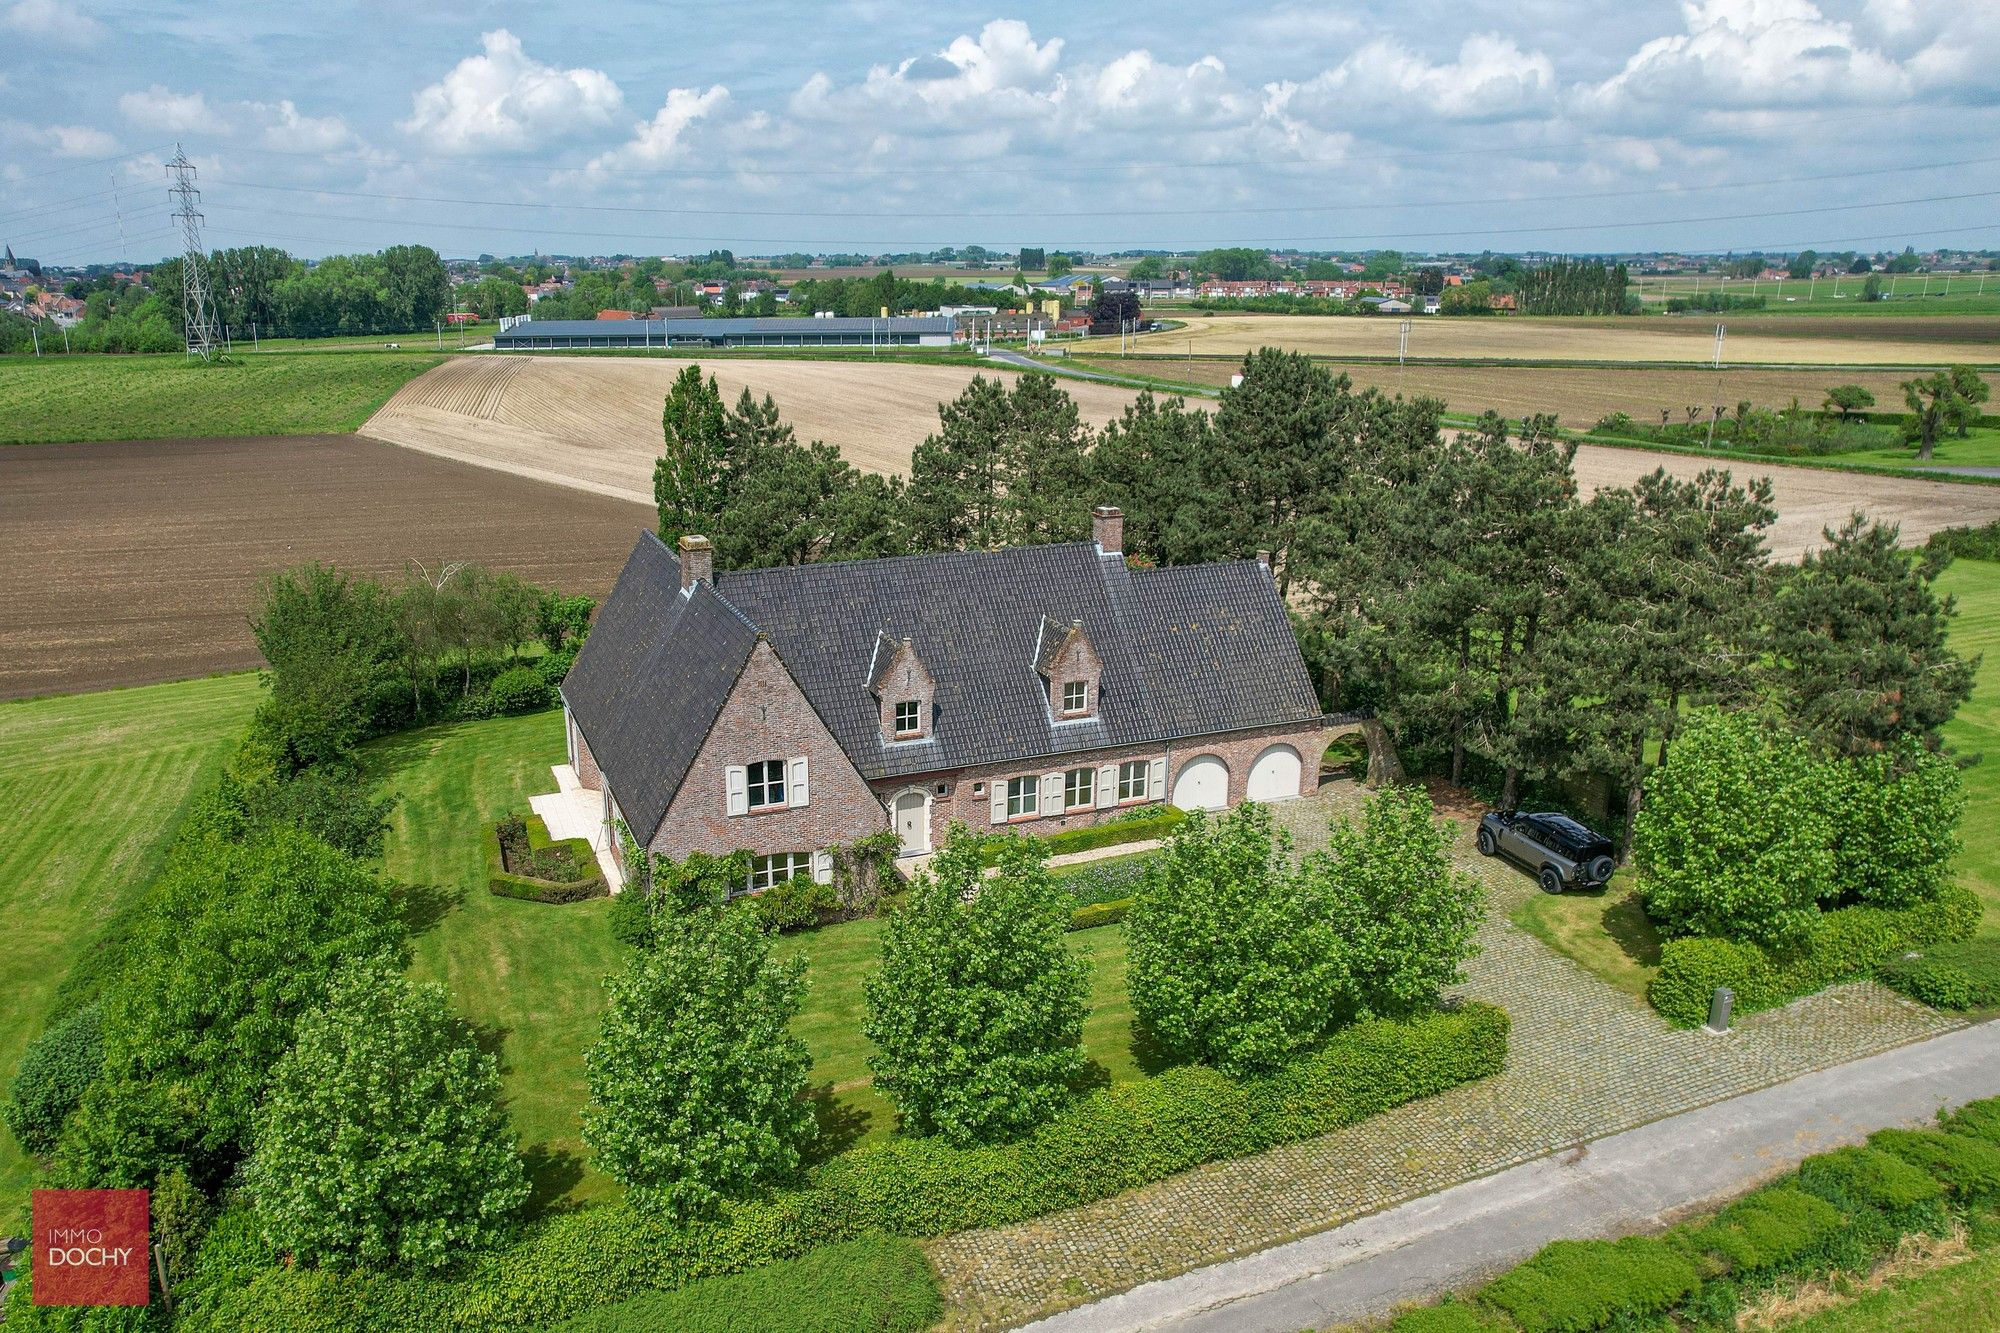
(767, 783)
(1075, 696)
(907, 713)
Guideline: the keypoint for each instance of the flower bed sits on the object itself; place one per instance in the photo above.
(522, 861)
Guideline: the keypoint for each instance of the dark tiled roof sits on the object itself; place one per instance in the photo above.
(651, 678)
(1189, 651)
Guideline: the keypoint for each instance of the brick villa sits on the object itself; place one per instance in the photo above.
(784, 711)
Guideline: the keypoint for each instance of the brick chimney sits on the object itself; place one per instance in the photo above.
(697, 561)
(1107, 527)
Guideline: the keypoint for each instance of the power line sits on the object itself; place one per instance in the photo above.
(1457, 202)
(93, 162)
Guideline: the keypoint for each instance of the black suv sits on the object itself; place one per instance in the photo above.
(1558, 851)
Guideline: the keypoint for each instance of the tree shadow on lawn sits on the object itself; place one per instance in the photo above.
(552, 1173)
(1628, 926)
(841, 1124)
(425, 906)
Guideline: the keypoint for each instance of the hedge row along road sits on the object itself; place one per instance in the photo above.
(1628, 1182)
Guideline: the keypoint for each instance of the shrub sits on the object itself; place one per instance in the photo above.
(1867, 1178)
(520, 689)
(1103, 1143)
(1234, 961)
(977, 1010)
(877, 1284)
(1450, 1317)
(1848, 943)
(523, 862)
(1772, 1229)
(1979, 1119)
(1968, 1167)
(793, 903)
(57, 1068)
(1573, 1286)
(1100, 914)
(1898, 821)
(381, 1141)
(697, 1084)
(1134, 826)
(1959, 975)
(1736, 838)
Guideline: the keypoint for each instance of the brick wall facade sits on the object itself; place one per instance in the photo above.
(768, 717)
(967, 794)
(588, 775)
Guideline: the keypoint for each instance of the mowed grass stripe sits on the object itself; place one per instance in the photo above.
(1975, 584)
(91, 789)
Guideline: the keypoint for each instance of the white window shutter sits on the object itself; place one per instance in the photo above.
(999, 800)
(1158, 779)
(738, 779)
(823, 867)
(795, 782)
(1052, 793)
(1107, 786)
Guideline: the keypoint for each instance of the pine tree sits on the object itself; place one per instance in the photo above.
(1149, 463)
(956, 474)
(690, 475)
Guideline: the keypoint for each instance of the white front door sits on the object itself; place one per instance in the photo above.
(913, 824)
(1202, 785)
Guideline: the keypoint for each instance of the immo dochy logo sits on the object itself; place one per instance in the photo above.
(90, 1247)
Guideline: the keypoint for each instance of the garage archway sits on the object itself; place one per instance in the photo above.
(1203, 784)
(1275, 775)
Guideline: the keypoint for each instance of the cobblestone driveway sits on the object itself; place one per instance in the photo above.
(1585, 1060)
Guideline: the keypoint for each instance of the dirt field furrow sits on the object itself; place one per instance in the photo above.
(136, 561)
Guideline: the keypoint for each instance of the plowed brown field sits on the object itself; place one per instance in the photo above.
(1690, 339)
(135, 561)
(594, 422)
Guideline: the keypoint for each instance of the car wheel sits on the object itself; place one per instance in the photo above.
(1551, 881)
(1600, 870)
(1485, 842)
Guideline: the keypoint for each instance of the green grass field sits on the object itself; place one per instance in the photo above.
(91, 786)
(59, 399)
(1981, 448)
(1608, 933)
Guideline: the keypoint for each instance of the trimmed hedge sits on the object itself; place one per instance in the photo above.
(1112, 832)
(1100, 914)
(1106, 1142)
(529, 888)
(1848, 943)
(1962, 975)
(878, 1284)
(1574, 1286)
(1842, 1211)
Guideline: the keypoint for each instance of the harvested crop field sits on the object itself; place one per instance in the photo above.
(135, 561)
(1579, 396)
(1768, 341)
(594, 422)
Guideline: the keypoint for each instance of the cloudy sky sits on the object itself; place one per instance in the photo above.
(661, 128)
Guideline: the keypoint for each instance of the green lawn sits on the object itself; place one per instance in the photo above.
(91, 786)
(529, 975)
(55, 399)
(1979, 449)
(1952, 1300)
(1607, 931)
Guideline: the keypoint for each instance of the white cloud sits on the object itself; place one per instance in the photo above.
(1492, 79)
(1747, 55)
(657, 140)
(504, 100)
(53, 21)
(160, 108)
(1003, 73)
(1137, 88)
(291, 131)
(75, 140)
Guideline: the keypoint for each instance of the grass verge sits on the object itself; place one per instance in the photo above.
(91, 788)
(62, 399)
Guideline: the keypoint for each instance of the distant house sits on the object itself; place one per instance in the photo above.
(1503, 302)
(1387, 305)
(616, 314)
(785, 711)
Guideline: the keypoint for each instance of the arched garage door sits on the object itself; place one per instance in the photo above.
(1203, 784)
(1275, 775)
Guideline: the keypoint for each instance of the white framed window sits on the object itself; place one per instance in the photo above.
(768, 870)
(907, 723)
(1132, 777)
(1076, 696)
(1024, 797)
(1079, 788)
(767, 784)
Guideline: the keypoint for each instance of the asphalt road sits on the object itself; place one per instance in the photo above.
(1630, 1182)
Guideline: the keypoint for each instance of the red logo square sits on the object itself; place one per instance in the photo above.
(91, 1247)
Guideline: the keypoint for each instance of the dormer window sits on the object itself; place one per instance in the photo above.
(1075, 697)
(1070, 666)
(903, 687)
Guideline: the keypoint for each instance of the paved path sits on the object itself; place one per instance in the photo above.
(1585, 1061)
(1056, 365)
(1633, 1181)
